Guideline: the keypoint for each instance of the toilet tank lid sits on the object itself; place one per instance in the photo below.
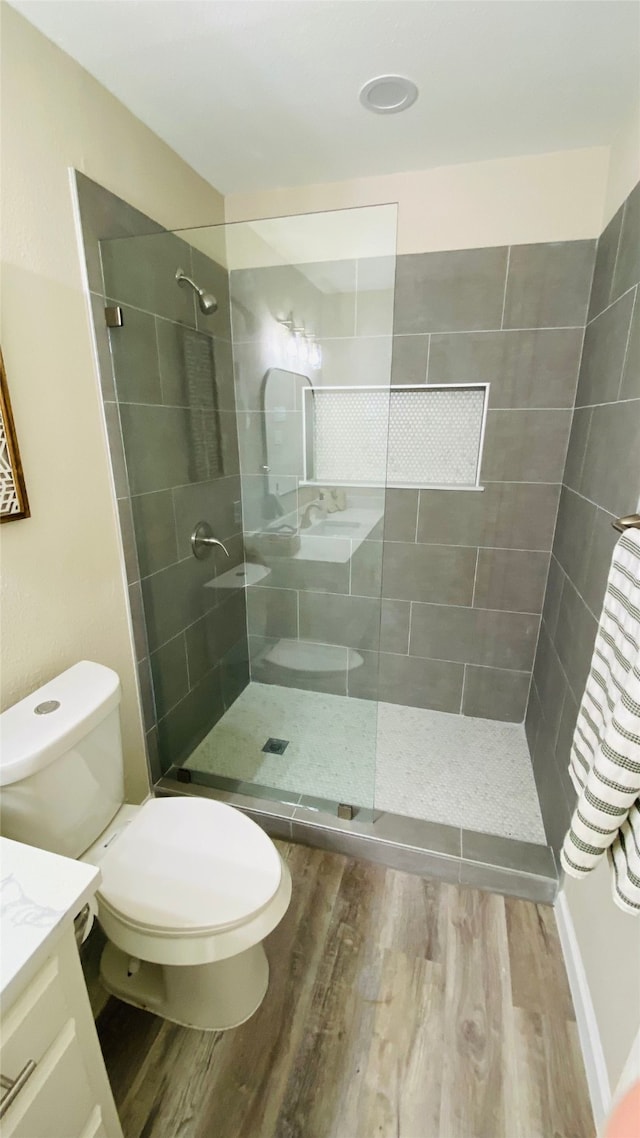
(30, 740)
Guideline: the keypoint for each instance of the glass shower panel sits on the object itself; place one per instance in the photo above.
(264, 654)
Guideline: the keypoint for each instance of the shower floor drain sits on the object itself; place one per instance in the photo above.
(276, 746)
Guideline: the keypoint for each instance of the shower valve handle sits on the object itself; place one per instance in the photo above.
(203, 541)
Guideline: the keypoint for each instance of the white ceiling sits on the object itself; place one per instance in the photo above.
(256, 94)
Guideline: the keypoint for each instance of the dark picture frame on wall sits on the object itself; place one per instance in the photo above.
(14, 503)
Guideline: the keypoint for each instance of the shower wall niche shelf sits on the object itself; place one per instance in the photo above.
(435, 435)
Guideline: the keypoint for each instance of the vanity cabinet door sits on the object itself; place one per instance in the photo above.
(57, 1100)
(94, 1127)
(54, 1081)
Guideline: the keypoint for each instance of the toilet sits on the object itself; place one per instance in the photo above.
(190, 887)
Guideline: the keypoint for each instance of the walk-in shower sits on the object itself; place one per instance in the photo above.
(378, 443)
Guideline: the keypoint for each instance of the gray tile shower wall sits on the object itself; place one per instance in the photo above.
(601, 481)
(167, 381)
(457, 578)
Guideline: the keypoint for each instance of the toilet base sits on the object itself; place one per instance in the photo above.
(209, 997)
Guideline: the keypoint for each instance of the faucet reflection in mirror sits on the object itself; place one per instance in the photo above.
(302, 347)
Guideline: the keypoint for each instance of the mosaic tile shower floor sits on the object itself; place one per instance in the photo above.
(473, 773)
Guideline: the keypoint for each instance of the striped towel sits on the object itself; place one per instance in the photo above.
(605, 756)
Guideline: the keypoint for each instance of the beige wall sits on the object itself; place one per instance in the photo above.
(545, 197)
(624, 163)
(63, 595)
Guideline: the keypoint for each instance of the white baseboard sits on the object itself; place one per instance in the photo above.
(592, 1053)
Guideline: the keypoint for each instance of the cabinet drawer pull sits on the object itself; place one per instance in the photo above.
(12, 1087)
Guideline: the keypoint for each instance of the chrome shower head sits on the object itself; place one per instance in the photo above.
(206, 301)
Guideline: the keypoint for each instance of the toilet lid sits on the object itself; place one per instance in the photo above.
(189, 865)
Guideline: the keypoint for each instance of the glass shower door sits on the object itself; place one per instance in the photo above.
(266, 425)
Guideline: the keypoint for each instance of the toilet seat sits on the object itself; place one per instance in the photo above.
(188, 867)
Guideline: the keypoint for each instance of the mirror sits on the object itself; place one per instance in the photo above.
(284, 434)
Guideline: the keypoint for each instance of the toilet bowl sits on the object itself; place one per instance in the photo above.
(190, 887)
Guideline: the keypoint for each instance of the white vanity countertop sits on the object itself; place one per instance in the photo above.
(40, 892)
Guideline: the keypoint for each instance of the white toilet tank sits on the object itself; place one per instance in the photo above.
(61, 775)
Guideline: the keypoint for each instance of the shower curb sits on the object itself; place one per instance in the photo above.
(428, 849)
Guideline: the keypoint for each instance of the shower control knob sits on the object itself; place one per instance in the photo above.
(203, 541)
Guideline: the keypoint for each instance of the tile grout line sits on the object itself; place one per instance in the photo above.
(403, 656)
(475, 578)
(506, 282)
(634, 306)
(609, 306)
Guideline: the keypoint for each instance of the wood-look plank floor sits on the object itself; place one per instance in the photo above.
(397, 1008)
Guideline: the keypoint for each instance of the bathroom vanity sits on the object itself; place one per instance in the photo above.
(54, 1081)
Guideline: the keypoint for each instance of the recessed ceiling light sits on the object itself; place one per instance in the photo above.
(388, 94)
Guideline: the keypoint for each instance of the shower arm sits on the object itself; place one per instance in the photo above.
(183, 279)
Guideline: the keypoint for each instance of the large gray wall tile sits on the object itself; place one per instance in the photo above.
(492, 693)
(317, 576)
(606, 254)
(350, 621)
(103, 215)
(550, 681)
(605, 345)
(365, 360)
(155, 531)
(555, 809)
(366, 569)
(611, 472)
(439, 573)
(400, 515)
(263, 671)
(505, 514)
(593, 581)
(189, 721)
(170, 674)
(553, 594)
(213, 278)
(176, 597)
(394, 626)
(135, 358)
(533, 368)
(158, 445)
(272, 612)
(409, 359)
(216, 634)
(474, 636)
(140, 271)
(434, 684)
(627, 272)
(630, 387)
(548, 285)
(532, 718)
(580, 427)
(453, 291)
(575, 637)
(525, 446)
(217, 502)
(510, 579)
(576, 517)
